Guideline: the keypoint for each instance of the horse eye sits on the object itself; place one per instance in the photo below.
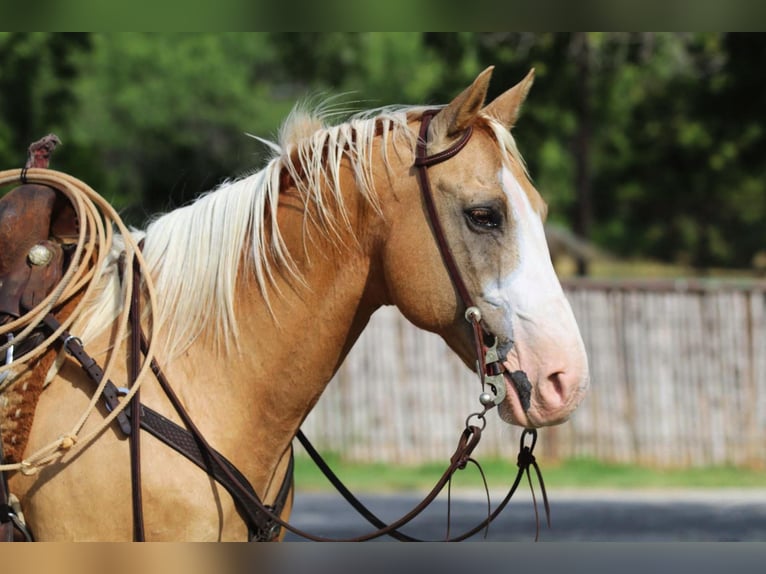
(484, 218)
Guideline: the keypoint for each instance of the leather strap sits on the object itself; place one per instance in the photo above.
(189, 443)
(134, 440)
(422, 162)
(74, 346)
(467, 443)
(192, 444)
(217, 466)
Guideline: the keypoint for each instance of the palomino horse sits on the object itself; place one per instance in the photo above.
(264, 284)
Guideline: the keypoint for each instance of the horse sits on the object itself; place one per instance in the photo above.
(264, 284)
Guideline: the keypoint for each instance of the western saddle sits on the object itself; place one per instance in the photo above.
(38, 229)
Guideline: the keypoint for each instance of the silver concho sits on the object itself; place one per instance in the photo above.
(40, 255)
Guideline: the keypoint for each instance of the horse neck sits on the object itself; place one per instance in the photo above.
(285, 356)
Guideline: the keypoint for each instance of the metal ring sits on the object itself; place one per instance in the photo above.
(70, 338)
(478, 416)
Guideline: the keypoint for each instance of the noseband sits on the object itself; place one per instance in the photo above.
(489, 364)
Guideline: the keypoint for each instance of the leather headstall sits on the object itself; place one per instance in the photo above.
(472, 314)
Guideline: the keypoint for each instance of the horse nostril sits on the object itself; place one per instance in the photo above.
(557, 382)
(555, 390)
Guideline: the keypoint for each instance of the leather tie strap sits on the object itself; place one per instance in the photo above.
(74, 346)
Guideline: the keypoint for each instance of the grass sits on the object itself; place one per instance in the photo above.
(579, 474)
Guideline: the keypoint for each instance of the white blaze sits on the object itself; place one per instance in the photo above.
(528, 291)
(536, 315)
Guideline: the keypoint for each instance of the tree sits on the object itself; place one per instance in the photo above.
(678, 179)
(37, 72)
(651, 144)
(165, 116)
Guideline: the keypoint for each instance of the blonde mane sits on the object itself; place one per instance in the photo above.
(195, 252)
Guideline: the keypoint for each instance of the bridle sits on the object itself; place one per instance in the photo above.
(488, 364)
(264, 521)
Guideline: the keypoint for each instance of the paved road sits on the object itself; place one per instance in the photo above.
(626, 516)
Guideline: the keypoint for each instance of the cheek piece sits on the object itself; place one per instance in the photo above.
(488, 363)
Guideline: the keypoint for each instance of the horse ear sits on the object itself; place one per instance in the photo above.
(506, 107)
(459, 114)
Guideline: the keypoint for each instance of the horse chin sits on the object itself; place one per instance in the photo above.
(511, 410)
(519, 408)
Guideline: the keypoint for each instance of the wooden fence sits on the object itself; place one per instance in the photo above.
(678, 378)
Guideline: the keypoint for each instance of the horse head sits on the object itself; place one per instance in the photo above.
(491, 218)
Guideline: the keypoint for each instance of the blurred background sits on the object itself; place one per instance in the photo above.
(650, 149)
(649, 145)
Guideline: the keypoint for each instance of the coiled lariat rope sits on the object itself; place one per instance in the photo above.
(97, 221)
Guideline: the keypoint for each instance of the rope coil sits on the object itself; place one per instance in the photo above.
(98, 223)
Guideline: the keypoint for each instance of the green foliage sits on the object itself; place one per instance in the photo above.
(165, 115)
(36, 71)
(652, 144)
(677, 188)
